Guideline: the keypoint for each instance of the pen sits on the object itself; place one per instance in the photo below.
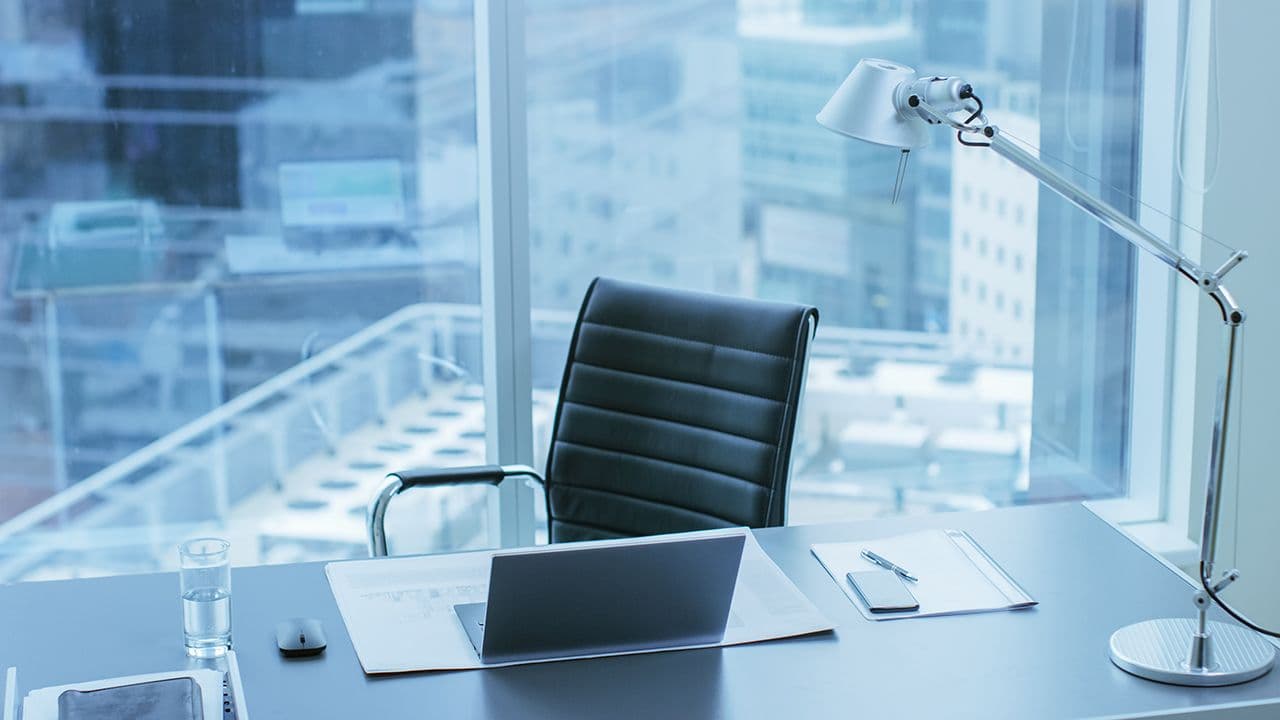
(884, 563)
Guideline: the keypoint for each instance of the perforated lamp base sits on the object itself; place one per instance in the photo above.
(1159, 649)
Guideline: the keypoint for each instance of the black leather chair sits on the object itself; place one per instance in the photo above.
(676, 413)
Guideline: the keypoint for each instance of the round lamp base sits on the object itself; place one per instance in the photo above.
(1158, 650)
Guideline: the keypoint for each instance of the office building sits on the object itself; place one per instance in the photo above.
(993, 247)
(799, 181)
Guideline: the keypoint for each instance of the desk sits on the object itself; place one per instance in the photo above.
(1048, 662)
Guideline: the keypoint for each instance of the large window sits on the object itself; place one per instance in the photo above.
(974, 344)
(239, 244)
(241, 253)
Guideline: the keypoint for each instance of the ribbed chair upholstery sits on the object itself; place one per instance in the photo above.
(676, 413)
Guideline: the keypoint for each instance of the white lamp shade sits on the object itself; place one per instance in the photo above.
(864, 108)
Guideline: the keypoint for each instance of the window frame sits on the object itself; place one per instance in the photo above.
(503, 192)
(1157, 506)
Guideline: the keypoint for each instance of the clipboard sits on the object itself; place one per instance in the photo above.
(956, 575)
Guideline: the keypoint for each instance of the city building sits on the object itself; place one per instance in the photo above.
(993, 245)
(817, 207)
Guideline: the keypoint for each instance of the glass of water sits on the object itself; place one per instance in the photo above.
(205, 577)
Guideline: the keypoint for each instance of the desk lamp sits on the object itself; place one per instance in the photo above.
(885, 103)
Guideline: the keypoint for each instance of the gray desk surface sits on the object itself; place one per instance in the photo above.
(1048, 662)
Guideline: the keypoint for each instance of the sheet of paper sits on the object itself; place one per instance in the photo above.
(952, 579)
(42, 704)
(399, 611)
(236, 684)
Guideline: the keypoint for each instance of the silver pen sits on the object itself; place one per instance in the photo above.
(884, 563)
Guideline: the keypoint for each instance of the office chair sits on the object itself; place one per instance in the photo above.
(676, 413)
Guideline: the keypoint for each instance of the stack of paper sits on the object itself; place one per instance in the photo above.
(955, 574)
(399, 612)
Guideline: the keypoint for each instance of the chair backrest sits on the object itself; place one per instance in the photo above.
(676, 413)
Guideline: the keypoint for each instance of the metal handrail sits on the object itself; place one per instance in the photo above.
(211, 421)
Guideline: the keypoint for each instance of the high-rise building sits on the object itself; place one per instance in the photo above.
(818, 206)
(633, 151)
(993, 243)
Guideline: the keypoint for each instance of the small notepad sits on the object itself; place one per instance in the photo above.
(955, 574)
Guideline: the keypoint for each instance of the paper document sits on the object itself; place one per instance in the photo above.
(399, 611)
(955, 574)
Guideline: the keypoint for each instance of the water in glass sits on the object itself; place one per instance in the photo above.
(206, 596)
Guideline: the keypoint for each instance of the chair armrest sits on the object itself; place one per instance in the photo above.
(397, 482)
(430, 477)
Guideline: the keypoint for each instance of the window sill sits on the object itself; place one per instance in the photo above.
(1164, 538)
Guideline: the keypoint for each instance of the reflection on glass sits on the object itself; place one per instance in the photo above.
(676, 144)
(239, 249)
(238, 245)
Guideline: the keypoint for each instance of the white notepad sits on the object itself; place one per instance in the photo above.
(955, 574)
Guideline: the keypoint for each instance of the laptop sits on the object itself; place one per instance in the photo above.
(595, 599)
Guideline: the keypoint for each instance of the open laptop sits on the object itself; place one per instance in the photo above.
(567, 601)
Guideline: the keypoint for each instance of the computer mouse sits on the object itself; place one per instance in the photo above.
(300, 637)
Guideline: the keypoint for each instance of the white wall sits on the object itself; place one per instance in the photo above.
(1242, 208)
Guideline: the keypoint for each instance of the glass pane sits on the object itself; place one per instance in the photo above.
(676, 144)
(239, 248)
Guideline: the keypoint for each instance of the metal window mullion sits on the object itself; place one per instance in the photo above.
(504, 254)
(1151, 391)
(1151, 494)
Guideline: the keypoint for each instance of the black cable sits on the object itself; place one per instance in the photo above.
(977, 112)
(968, 93)
(1204, 583)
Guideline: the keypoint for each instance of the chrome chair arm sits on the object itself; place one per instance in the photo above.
(397, 482)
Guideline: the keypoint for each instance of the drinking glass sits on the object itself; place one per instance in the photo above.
(205, 577)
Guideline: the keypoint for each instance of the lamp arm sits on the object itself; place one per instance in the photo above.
(1209, 282)
(1147, 649)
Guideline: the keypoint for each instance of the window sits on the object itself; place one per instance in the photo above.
(242, 254)
(243, 203)
(780, 208)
